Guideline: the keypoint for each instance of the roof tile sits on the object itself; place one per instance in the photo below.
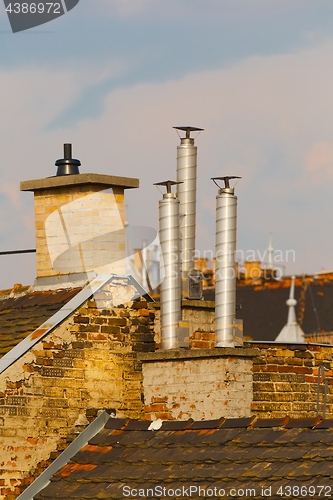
(21, 315)
(238, 456)
(175, 425)
(308, 423)
(231, 423)
(116, 423)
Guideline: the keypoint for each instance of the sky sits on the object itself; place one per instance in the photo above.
(113, 77)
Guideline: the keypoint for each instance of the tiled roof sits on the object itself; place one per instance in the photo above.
(279, 455)
(23, 310)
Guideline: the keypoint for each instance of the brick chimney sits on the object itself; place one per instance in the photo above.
(80, 223)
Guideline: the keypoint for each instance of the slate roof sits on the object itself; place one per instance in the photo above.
(264, 310)
(23, 310)
(243, 454)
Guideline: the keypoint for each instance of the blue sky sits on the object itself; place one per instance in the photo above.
(114, 76)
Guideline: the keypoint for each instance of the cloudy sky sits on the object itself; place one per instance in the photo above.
(114, 76)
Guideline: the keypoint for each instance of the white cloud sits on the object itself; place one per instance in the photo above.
(266, 119)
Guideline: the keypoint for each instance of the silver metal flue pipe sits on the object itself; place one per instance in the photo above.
(169, 235)
(187, 193)
(225, 273)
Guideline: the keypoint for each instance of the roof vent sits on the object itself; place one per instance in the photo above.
(67, 165)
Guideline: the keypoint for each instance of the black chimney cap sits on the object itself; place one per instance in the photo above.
(67, 165)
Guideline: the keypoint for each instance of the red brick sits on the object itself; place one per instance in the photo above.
(96, 336)
(200, 344)
(302, 369)
(156, 407)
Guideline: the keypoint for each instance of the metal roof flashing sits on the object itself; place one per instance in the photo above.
(54, 321)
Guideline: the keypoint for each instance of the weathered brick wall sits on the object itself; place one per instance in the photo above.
(86, 364)
(199, 316)
(73, 229)
(285, 379)
(285, 382)
(198, 384)
(202, 340)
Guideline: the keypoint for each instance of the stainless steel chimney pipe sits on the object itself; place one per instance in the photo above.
(187, 192)
(171, 313)
(225, 287)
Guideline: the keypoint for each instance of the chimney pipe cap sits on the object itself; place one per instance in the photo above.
(168, 185)
(188, 130)
(67, 165)
(226, 188)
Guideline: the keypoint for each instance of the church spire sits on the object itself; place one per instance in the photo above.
(291, 332)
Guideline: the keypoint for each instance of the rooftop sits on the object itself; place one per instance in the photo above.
(23, 310)
(246, 453)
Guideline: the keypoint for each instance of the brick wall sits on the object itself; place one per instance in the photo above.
(73, 225)
(285, 379)
(86, 364)
(198, 384)
(199, 316)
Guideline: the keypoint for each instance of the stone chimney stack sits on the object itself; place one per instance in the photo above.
(80, 224)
